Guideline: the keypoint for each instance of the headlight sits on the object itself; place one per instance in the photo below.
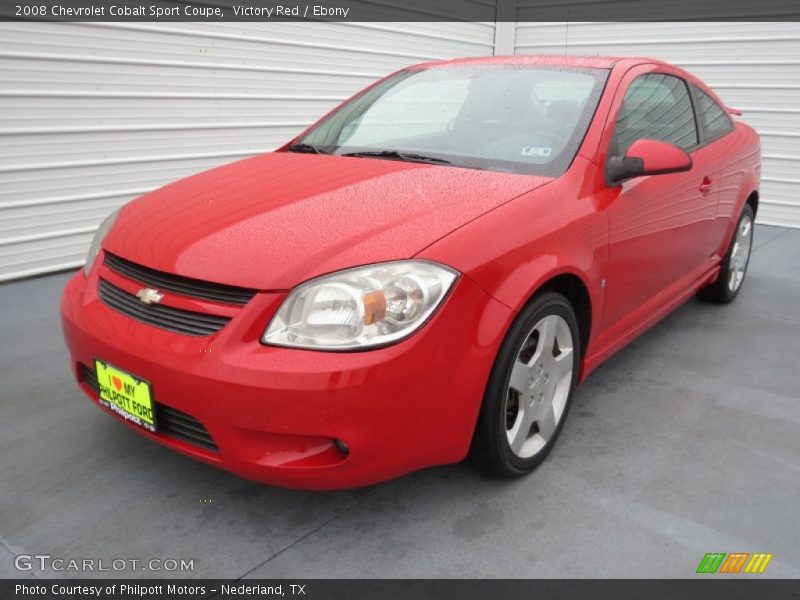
(361, 307)
(94, 247)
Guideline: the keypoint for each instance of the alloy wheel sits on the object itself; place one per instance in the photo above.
(740, 253)
(539, 386)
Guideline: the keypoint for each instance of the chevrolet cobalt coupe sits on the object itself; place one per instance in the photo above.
(426, 272)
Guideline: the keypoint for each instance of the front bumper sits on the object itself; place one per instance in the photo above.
(275, 413)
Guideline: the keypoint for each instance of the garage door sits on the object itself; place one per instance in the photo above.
(752, 66)
(93, 115)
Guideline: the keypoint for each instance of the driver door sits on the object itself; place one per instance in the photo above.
(660, 226)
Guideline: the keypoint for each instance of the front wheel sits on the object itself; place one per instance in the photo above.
(530, 388)
(734, 264)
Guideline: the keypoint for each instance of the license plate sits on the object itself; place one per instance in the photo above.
(126, 395)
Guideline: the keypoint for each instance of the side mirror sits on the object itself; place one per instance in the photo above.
(647, 157)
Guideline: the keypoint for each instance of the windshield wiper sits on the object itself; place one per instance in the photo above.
(306, 148)
(397, 155)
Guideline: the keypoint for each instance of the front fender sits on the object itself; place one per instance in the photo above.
(512, 251)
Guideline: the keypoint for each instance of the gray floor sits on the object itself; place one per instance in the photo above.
(684, 443)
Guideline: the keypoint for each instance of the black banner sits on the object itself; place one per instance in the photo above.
(397, 10)
(433, 589)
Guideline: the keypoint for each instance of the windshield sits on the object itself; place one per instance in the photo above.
(514, 118)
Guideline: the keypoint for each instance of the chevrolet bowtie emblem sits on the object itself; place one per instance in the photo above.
(149, 296)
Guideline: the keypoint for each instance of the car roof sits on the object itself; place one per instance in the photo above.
(562, 60)
(554, 60)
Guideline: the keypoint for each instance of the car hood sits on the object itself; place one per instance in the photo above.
(275, 220)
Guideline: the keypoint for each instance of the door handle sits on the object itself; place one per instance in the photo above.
(705, 185)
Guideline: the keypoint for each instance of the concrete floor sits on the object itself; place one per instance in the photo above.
(686, 442)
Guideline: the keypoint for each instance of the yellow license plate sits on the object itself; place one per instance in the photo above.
(126, 395)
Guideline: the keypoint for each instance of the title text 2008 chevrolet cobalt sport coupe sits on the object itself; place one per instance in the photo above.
(429, 270)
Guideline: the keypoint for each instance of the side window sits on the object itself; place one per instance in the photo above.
(656, 107)
(716, 122)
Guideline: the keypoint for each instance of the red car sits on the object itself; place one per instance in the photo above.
(428, 270)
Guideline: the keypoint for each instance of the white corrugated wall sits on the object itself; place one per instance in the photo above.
(752, 66)
(92, 115)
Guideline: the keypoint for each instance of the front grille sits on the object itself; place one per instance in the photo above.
(194, 288)
(169, 421)
(165, 317)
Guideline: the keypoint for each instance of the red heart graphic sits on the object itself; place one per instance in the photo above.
(117, 382)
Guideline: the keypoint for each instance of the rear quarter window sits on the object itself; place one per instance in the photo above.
(716, 122)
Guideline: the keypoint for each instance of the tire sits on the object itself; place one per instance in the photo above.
(734, 264)
(519, 392)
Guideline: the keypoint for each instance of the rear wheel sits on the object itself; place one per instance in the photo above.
(530, 388)
(734, 264)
